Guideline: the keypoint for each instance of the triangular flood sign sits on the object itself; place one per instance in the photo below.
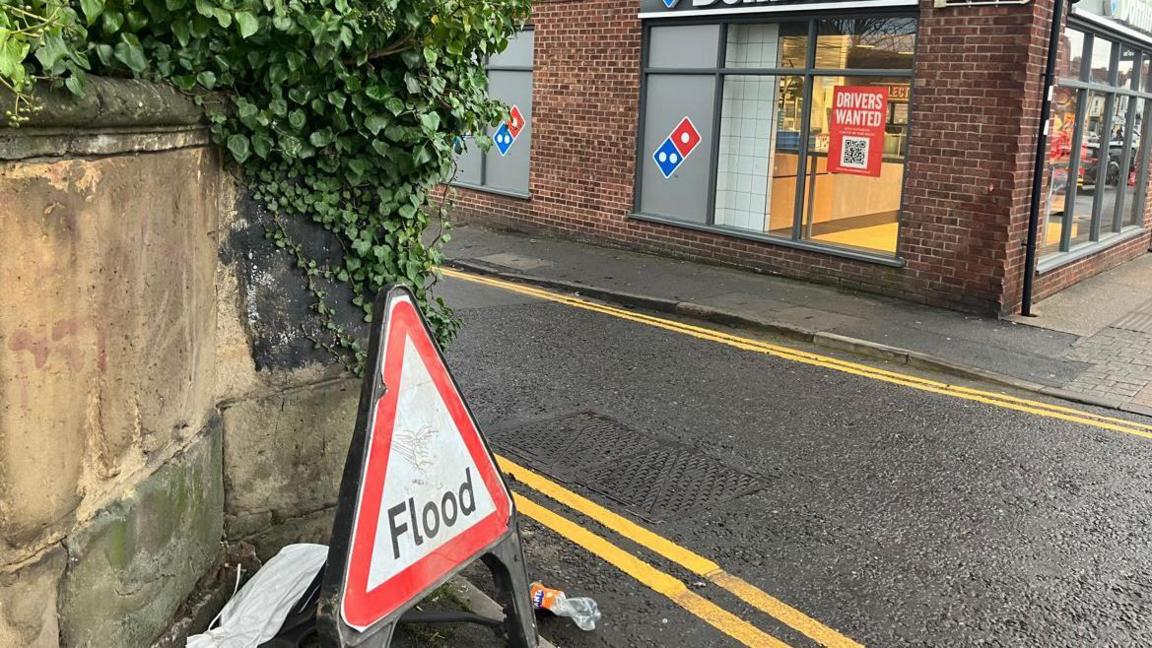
(431, 498)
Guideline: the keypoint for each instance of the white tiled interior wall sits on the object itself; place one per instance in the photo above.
(747, 130)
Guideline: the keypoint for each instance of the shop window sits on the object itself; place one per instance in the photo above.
(1070, 60)
(1060, 140)
(1101, 67)
(1135, 206)
(860, 205)
(1097, 156)
(767, 45)
(504, 166)
(865, 43)
(770, 107)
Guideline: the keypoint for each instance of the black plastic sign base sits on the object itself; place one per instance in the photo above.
(353, 612)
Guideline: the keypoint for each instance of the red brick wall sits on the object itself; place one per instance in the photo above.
(977, 94)
(974, 113)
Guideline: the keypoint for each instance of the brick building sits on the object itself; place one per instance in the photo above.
(882, 145)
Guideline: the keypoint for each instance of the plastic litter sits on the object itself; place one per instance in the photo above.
(583, 611)
(256, 613)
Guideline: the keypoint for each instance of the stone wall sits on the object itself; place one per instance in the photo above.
(161, 397)
(111, 490)
(288, 411)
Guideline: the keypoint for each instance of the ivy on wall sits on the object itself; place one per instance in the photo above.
(339, 111)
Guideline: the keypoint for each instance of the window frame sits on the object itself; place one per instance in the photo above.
(482, 186)
(808, 73)
(1120, 229)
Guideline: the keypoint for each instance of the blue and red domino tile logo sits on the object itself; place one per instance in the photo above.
(509, 131)
(677, 147)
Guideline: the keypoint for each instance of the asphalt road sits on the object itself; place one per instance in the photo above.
(896, 516)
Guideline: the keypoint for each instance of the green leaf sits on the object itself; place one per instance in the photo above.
(200, 26)
(291, 146)
(282, 23)
(51, 51)
(204, 8)
(238, 146)
(75, 83)
(381, 149)
(261, 144)
(207, 78)
(223, 17)
(181, 31)
(92, 10)
(378, 92)
(412, 84)
(359, 166)
(321, 138)
(247, 24)
(395, 105)
(279, 107)
(375, 123)
(296, 119)
(136, 20)
(430, 121)
(129, 52)
(12, 53)
(112, 21)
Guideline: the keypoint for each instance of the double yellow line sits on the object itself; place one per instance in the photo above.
(669, 586)
(1004, 401)
(659, 581)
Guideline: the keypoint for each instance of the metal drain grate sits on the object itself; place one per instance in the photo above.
(1139, 321)
(571, 444)
(659, 483)
(655, 479)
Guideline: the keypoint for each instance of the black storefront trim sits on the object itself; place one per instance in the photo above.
(879, 259)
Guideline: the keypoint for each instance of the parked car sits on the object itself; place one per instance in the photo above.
(1090, 161)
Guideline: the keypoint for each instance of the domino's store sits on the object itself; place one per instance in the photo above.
(879, 145)
(806, 120)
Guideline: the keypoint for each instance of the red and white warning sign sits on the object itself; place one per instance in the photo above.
(430, 498)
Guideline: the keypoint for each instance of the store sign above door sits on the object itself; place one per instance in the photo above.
(688, 8)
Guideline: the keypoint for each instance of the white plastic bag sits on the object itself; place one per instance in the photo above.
(257, 612)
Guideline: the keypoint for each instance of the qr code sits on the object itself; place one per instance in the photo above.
(854, 152)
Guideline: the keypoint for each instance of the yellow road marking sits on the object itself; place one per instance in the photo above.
(656, 580)
(686, 558)
(995, 399)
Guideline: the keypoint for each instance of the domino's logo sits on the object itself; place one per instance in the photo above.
(670, 4)
(509, 131)
(676, 147)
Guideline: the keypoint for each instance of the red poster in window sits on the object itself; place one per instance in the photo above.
(856, 129)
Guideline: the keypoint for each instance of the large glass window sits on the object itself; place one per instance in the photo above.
(504, 166)
(1096, 156)
(799, 129)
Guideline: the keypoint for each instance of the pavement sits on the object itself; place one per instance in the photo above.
(718, 489)
(1091, 343)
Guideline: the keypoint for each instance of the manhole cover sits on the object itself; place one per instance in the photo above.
(669, 481)
(570, 444)
(654, 478)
